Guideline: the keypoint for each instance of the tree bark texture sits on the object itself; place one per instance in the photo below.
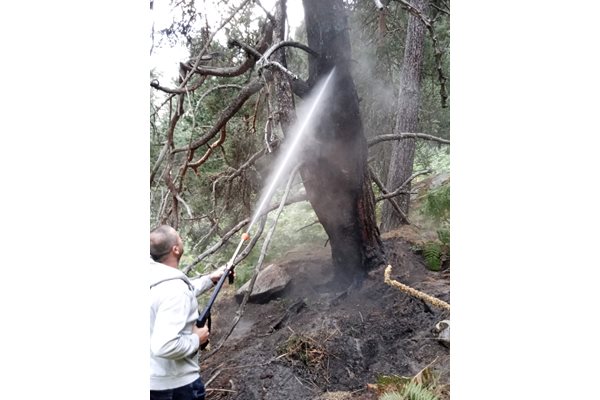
(335, 171)
(284, 96)
(407, 119)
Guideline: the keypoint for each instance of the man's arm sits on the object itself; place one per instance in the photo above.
(206, 282)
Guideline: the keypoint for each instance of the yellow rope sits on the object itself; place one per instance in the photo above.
(413, 292)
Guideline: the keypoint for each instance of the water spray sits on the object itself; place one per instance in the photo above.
(204, 318)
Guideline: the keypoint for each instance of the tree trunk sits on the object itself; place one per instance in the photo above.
(285, 115)
(335, 172)
(407, 120)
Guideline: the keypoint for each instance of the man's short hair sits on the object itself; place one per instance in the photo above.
(162, 240)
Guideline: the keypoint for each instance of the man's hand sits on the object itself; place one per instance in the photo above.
(201, 332)
(217, 273)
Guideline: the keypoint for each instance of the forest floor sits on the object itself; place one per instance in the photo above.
(320, 341)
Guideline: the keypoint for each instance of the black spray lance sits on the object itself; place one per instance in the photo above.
(205, 316)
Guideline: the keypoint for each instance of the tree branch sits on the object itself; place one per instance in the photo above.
(393, 202)
(400, 136)
(398, 191)
(209, 42)
(225, 116)
(286, 43)
(225, 238)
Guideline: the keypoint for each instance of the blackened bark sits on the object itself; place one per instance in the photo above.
(335, 172)
(407, 120)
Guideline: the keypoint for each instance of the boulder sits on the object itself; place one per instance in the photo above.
(270, 283)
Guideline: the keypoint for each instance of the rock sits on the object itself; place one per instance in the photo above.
(443, 329)
(270, 282)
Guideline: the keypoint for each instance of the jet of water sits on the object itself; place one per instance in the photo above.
(299, 129)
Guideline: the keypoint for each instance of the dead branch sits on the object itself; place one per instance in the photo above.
(264, 61)
(224, 71)
(225, 238)
(309, 225)
(261, 258)
(278, 66)
(398, 191)
(247, 164)
(413, 292)
(445, 11)
(156, 85)
(159, 161)
(225, 115)
(256, 53)
(217, 245)
(209, 42)
(187, 208)
(399, 136)
(202, 160)
(286, 43)
(393, 202)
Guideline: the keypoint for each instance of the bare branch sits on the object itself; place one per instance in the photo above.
(286, 43)
(280, 67)
(395, 205)
(202, 160)
(187, 208)
(250, 50)
(217, 245)
(156, 85)
(401, 187)
(440, 9)
(400, 136)
(225, 238)
(209, 42)
(159, 161)
(225, 116)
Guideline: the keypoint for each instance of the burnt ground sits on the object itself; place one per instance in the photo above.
(320, 341)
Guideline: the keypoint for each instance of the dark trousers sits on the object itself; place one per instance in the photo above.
(193, 391)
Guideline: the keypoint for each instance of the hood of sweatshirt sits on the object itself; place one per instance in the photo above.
(160, 272)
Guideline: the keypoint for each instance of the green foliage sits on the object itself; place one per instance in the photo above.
(437, 207)
(432, 252)
(420, 387)
(416, 391)
(391, 396)
(437, 204)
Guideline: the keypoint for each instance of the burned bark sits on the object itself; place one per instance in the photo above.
(335, 170)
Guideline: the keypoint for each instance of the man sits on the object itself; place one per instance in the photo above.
(174, 337)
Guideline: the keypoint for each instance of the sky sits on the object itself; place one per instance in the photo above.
(166, 59)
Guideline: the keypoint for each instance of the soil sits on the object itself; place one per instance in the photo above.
(323, 339)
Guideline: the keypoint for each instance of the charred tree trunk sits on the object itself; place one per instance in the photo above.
(407, 120)
(335, 172)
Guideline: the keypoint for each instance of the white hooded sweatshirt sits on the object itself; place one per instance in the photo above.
(173, 311)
